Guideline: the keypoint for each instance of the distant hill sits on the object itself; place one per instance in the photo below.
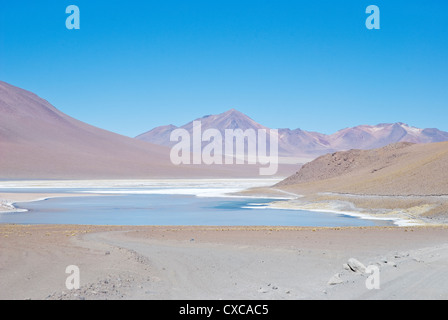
(232, 119)
(397, 169)
(299, 146)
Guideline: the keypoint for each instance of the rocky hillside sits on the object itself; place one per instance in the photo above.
(397, 169)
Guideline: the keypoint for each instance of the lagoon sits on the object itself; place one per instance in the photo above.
(169, 207)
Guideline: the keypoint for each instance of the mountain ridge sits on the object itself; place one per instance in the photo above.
(38, 141)
(308, 145)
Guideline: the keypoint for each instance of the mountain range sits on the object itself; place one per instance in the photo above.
(37, 141)
(300, 146)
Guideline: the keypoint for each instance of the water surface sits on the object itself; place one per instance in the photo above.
(171, 209)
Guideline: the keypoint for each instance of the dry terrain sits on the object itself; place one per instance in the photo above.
(222, 263)
(404, 179)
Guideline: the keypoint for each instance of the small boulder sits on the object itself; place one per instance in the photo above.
(336, 279)
(356, 266)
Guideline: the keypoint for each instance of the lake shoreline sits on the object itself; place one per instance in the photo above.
(404, 211)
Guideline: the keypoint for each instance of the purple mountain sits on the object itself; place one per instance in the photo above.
(301, 146)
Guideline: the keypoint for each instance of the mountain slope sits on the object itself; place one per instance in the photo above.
(397, 169)
(232, 119)
(37, 141)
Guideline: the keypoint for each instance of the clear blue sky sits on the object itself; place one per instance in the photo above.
(314, 65)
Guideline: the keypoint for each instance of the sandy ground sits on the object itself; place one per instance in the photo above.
(221, 263)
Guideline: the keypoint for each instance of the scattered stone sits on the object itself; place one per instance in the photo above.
(262, 290)
(356, 266)
(107, 253)
(391, 263)
(334, 280)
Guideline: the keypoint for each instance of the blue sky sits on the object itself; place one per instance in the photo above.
(314, 65)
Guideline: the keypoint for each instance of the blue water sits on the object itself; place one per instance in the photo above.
(164, 209)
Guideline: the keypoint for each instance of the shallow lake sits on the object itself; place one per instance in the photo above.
(128, 208)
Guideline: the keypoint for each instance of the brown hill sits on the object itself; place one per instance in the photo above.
(397, 169)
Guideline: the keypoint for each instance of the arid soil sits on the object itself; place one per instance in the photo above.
(222, 263)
